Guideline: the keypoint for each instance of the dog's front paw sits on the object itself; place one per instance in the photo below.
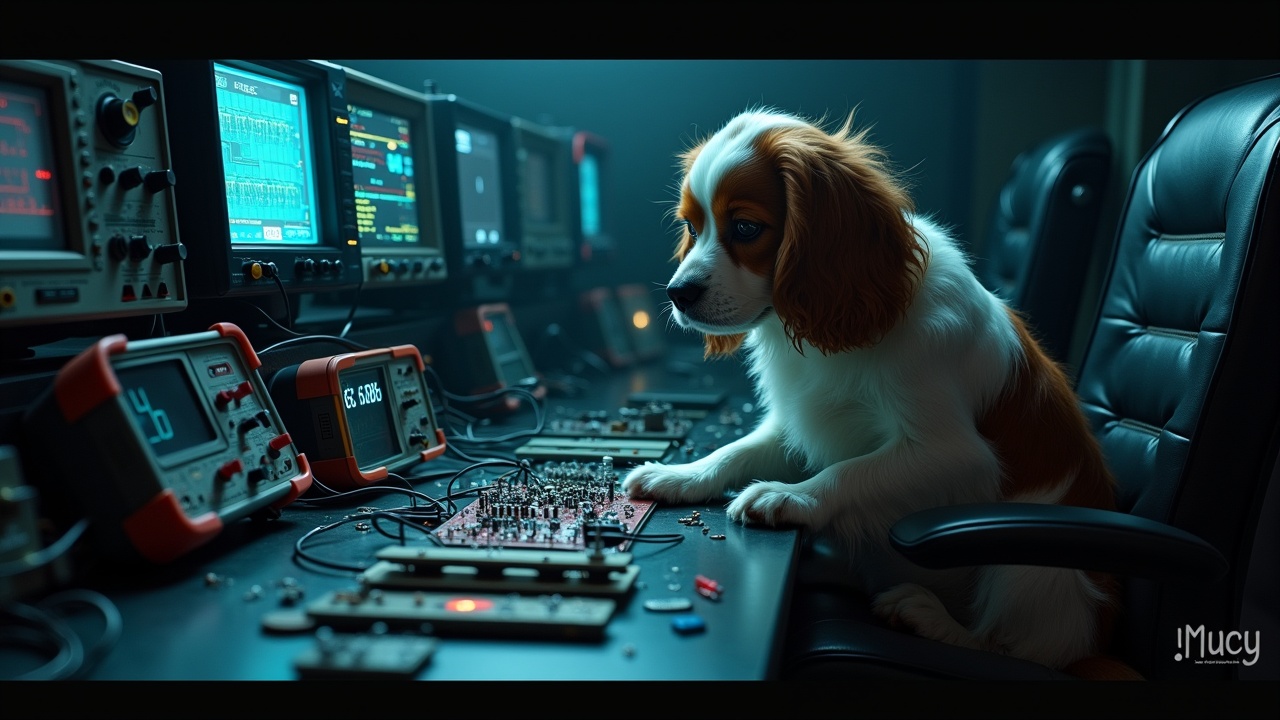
(917, 609)
(773, 503)
(672, 483)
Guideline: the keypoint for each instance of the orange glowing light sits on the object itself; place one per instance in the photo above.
(640, 319)
(466, 605)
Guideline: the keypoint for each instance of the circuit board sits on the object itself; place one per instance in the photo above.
(654, 421)
(557, 506)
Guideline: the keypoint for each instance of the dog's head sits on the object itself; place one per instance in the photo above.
(777, 215)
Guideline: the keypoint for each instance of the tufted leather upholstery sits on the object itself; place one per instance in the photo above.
(1180, 379)
(1043, 231)
(1181, 382)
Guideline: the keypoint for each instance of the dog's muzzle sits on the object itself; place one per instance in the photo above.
(684, 295)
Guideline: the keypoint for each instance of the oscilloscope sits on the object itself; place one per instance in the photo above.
(546, 186)
(476, 160)
(396, 188)
(266, 147)
(88, 226)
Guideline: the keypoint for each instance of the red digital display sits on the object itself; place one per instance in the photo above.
(29, 197)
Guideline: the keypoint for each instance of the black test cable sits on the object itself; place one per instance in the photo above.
(446, 409)
(412, 516)
(40, 627)
(288, 309)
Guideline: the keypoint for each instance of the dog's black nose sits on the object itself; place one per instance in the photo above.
(685, 294)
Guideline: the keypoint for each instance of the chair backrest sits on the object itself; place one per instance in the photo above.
(1043, 230)
(1181, 377)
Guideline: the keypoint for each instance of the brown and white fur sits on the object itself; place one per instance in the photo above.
(891, 381)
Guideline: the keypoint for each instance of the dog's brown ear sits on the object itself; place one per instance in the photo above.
(721, 345)
(850, 262)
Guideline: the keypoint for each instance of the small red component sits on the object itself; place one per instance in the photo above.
(707, 588)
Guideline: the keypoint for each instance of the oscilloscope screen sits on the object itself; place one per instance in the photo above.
(30, 204)
(268, 158)
(382, 147)
(480, 186)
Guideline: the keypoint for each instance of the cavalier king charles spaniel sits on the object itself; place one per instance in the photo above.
(891, 381)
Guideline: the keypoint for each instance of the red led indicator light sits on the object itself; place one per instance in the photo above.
(43, 175)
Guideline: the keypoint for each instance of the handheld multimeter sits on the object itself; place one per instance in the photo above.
(489, 355)
(174, 438)
(360, 415)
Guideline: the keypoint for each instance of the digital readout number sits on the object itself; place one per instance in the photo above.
(159, 418)
(361, 395)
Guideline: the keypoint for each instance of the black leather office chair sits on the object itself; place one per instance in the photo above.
(1180, 381)
(1043, 231)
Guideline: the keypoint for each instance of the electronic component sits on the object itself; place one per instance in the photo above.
(602, 328)
(640, 318)
(365, 655)
(396, 185)
(361, 414)
(475, 147)
(88, 225)
(591, 157)
(568, 506)
(671, 604)
(654, 421)
(479, 614)
(503, 570)
(626, 451)
(707, 588)
(688, 624)
(678, 400)
(546, 188)
(268, 194)
(488, 355)
(164, 441)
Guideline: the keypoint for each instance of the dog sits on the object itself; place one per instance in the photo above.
(890, 381)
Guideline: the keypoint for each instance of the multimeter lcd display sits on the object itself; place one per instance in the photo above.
(370, 425)
(165, 406)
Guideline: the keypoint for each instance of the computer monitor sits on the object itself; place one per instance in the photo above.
(264, 146)
(591, 156)
(88, 226)
(545, 178)
(475, 148)
(396, 195)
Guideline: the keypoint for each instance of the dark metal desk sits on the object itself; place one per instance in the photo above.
(180, 626)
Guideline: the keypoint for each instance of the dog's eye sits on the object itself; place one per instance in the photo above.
(746, 230)
(689, 226)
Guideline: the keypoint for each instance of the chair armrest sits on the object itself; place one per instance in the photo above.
(1008, 533)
